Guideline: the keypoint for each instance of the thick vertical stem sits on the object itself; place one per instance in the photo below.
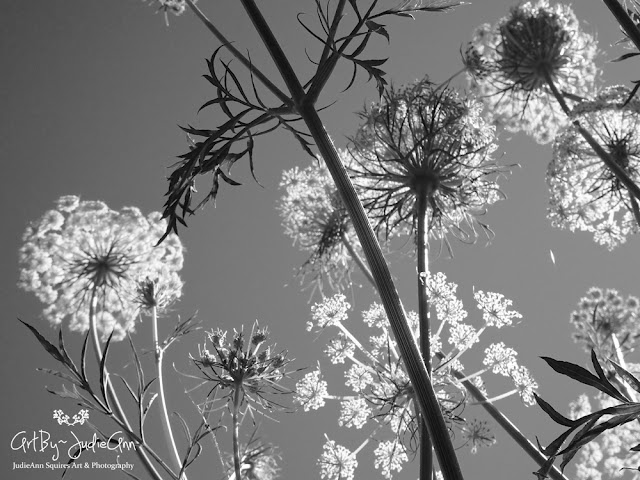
(409, 351)
(164, 414)
(113, 398)
(358, 259)
(236, 429)
(627, 24)
(422, 247)
(416, 369)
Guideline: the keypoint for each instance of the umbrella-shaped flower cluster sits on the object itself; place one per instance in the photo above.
(379, 394)
(425, 142)
(247, 368)
(83, 258)
(314, 216)
(603, 314)
(585, 194)
(525, 56)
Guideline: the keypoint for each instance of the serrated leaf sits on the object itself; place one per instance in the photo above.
(103, 369)
(139, 370)
(50, 348)
(149, 403)
(185, 427)
(377, 28)
(571, 451)
(576, 372)
(67, 359)
(611, 390)
(83, 360)
(626, 376)
(555, 416)
(62, 375)
(129, 389)
(625, 56)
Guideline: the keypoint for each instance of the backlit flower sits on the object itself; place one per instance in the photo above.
(311, 391)
(477, 434)
(84, 252)
(390, 456)
(314, 216)
(336, 462)
(602, 314)
(420, 140)
(585, 194)
(256, 368)
(534, 45)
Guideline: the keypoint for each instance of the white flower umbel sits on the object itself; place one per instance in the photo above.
(83, 252)
(424, 142)
(337, 462)
(584, 193)
(382, 396)
(521, 55)
(314, 216)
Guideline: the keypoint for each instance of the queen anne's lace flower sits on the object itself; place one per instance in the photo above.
(254, 367)
(311, 391)
(390, 456)
(339, 349)
(337, 462)
(477, 434)
(425, 141)
(603, 313)
(314, 216)
(536, 44)
(84, 252)
(382, 396)
(331, 311)
(354, 412)
(585, 194)
(494, 307)
(500, 359)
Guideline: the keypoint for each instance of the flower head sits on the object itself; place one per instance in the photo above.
(337, 462)
(585, 194)
(494, 307)
(477, 434)
(83, 259)
(535, 45)
(314, 216)
(600, 315)
(421, 141)
(390, 456)
(256, 369)
(311, 391)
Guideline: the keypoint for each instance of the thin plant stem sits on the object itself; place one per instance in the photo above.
(627, 24)
(448, 80)
(113, 401)
(236, 428)
(164, 414)
(507, 425)
(357, 258)
(236, 53)
(422, 247)
(616, 169)
(416, 368)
